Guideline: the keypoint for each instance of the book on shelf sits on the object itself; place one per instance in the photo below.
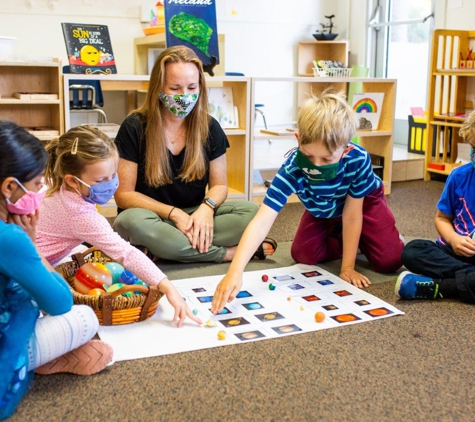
(221, 106)
(194, 25)
(368, 107)
(89, 48)
(35, 96)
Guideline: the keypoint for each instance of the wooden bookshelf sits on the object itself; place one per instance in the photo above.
(449, 98)
(43, 114)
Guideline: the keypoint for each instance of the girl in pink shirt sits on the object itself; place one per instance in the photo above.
(82, 173)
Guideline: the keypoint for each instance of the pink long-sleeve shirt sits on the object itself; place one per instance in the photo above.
(67, 220)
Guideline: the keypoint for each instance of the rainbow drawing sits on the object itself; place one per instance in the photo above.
(365, 105)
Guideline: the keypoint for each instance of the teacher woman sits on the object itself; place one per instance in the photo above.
(172, 171)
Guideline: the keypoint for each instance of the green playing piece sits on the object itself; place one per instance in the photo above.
(192, 29)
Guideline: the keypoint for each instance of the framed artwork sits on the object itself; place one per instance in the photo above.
(221, 106)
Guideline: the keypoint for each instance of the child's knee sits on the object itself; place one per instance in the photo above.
(388, 265)
(302, 256)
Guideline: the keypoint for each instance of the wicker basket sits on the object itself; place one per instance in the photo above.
(111, 308)
(332, 72)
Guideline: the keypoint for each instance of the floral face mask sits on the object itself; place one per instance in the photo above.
(179, 104)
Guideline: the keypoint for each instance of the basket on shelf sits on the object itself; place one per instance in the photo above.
(111, 308)
(332, 72)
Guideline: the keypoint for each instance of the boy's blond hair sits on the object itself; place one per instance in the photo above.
(73, 151)
(467, 131)
(326, 118)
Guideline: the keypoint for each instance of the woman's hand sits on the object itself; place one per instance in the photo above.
(201, 228)
(174, 298)
(354, 277)
(181, 220)
(26, 222)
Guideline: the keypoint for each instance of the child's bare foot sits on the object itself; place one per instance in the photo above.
(87, 359)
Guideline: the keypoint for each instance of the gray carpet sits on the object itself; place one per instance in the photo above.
(416, 367)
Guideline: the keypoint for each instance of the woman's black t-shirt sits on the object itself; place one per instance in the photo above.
(131, 144)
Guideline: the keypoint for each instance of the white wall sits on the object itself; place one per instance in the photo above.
(261, 36)
(455, 14)
(38, 28)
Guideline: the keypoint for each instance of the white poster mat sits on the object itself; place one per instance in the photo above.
(258, 314)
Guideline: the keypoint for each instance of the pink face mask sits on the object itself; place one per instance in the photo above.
(28, 203)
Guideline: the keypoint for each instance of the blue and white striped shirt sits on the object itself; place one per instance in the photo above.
(355, 177)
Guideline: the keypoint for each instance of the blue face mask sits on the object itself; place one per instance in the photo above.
(101, 193)
(472, 156)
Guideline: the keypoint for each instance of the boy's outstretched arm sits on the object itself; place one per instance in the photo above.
(253, 236)
(352, 224)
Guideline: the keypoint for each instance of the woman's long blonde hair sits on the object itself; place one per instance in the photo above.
(73, 151)
(157, 167)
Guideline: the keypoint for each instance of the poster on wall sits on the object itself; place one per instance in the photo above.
(89, 48)
(193, 24)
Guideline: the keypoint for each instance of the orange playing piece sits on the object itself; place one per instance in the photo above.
(319, 316)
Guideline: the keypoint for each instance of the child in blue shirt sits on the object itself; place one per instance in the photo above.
(445, 268)
(345, 204)
(60, 341)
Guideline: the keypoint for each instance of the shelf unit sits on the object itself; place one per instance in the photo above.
(308, 51)
(238, 153)
(237, 156)
(451, 86)
(143, 44)
(377, 142)
(32, 77)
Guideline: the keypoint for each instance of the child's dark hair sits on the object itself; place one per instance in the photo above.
(71, 152)
(22, 156)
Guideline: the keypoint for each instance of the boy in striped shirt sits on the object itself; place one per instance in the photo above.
(345, 204)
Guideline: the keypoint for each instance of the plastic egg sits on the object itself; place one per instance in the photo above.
(116, 270)
(128, 277)
(117, 286)
(140, 283)
(91, 276)
(96, 292)
(114, 287)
